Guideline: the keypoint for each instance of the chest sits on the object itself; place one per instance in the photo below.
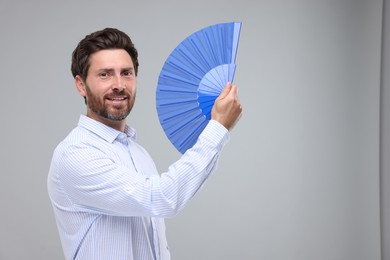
(132, 156)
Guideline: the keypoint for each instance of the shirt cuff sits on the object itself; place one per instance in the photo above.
(216, 133)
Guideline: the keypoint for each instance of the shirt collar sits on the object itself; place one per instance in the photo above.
(107, 133)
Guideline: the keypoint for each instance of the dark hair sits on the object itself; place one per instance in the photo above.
(108, 38)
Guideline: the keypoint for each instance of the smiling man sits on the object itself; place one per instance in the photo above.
(109, 200)
(110, 88)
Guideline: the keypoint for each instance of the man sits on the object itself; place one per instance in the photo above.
(108, 198)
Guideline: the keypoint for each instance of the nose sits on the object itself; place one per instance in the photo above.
(118, 84)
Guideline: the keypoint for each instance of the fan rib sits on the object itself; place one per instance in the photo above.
(236, 37)
(190, 60)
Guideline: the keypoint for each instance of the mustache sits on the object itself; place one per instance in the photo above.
(118, 93)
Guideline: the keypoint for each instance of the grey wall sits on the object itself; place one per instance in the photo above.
(300, 177)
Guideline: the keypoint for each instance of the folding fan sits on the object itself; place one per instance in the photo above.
(192, 77)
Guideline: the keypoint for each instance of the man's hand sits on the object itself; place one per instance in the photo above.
(227, 108)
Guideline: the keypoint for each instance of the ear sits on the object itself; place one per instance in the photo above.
(80, 85)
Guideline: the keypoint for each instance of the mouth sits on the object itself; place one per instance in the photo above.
(117, 100)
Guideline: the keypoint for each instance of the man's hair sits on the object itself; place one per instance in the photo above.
(108, 38)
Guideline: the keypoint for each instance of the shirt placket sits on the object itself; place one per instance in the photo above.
(127, 142)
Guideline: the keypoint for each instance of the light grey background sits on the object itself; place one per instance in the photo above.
(300, 177)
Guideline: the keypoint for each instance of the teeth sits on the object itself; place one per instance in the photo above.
(117, 99)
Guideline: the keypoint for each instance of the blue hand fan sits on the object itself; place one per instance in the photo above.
(192, 77)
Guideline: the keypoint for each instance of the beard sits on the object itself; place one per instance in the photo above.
(115, 113)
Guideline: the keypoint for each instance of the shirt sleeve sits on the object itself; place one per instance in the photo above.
(184, 178)
(93, 182)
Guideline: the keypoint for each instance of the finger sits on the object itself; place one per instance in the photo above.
(226, 90)
(233, 90)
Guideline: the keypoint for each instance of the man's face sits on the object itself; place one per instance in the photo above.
(110, 86)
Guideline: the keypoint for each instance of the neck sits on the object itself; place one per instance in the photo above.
(117, 125)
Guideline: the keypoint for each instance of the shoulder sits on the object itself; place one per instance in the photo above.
(79, 139)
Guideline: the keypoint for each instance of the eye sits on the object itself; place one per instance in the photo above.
(104, 75)
(128, 73)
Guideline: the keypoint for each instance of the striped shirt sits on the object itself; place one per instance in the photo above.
(109, 200)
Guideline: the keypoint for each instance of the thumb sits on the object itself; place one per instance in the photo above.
(225, 91)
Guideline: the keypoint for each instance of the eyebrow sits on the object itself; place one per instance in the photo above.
(111, 69)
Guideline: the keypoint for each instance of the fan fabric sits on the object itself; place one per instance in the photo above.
(192, 78)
